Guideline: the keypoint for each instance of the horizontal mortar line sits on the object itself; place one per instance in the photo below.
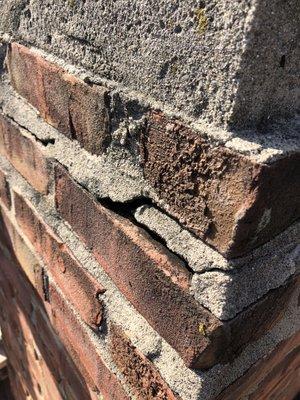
(31, 190)
(204, 305)
(157, 205)
(41, 213)
(22, 187)
(215, 133)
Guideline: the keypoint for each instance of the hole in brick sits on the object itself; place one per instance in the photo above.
(35, 354)
(282, 61)
(39, 388)
(177, 29)
(48, 39)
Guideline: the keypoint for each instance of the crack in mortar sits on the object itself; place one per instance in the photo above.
(189, 384)
(194, 254)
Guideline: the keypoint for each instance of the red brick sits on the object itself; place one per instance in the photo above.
(142, 376)
(153, 280)
(275, 376)
(78, 110)
(22, 331)
(156, 283)
(24, 154)
(5, 240)
(4, 190)
(15, 285)
(24, 256)
(82, 348)
(57, 357)
(79, 286)
(225, 198)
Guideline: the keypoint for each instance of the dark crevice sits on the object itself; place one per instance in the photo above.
(282, 61)
(72, 127)
(43, 141)
(45, 285)
(127, 210)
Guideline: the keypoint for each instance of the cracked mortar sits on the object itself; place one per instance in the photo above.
(243, 280)
(115, 175)
(189, 384)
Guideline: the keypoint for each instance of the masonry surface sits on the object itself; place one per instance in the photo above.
(150, 199)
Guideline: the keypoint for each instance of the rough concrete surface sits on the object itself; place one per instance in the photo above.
(202, 257)
(227, 294)
(189, 384)
(208, 59)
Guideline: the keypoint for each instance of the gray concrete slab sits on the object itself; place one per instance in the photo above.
(224, 62)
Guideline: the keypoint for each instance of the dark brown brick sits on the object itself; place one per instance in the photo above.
(142, 376)
(80, 287)
(83, 349)
(24, 154)
(152, 279)
(78, 110)
(4, 190)
(229, 201)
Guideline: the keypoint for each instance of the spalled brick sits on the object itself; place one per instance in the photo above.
(144, 379)
(226, 199)
(24, 154)
(83, 349)
(152, 279)
(80, 287)
(78, 110)
(4, 190)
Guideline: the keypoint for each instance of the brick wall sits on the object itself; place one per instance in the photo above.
(97, 304)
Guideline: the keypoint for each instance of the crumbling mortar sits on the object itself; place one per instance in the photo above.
(262, 148)
(188, 383)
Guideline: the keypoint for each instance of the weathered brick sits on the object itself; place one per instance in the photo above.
(142, 376)
(15, 287)
(152, 279)
(226, 199)
(4, 190)
(275, 376)
(24, 256)
(154, 282)
(83, 348)
(78, 110)
(24, 154)
(81, 288)
(29, 336)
